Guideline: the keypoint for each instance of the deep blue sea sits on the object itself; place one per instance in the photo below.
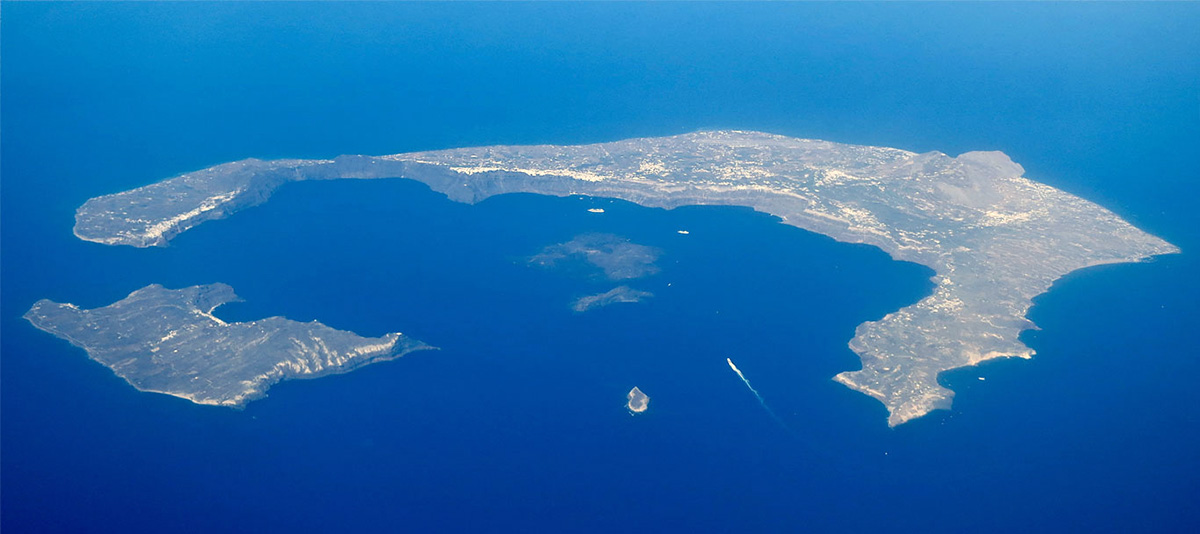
(518, 423)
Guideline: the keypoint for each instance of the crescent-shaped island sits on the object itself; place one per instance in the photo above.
(994, 238)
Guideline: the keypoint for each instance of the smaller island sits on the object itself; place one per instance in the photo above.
(617, 257)
(612, 296)
(638, 401)
(168, 341)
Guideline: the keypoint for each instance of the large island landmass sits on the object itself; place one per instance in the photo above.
(994, 238)
(168, 341)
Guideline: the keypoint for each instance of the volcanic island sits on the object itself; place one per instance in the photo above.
(994, 238)
(638, 401)
(168, 341)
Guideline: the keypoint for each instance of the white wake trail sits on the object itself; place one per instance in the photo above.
(757, 396)
(743, 377)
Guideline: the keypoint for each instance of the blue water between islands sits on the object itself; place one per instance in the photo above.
(518, 423)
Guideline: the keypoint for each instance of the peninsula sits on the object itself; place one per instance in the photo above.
(168, 341)
(994, 238)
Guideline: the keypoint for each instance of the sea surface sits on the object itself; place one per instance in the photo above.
(518, 423)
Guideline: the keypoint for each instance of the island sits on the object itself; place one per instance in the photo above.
(994, 238)
(612, 296)
(168, 341)
(638, 401)
(617, 257)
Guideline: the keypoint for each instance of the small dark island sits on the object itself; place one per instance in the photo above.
(616, 256)
(612, 296)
